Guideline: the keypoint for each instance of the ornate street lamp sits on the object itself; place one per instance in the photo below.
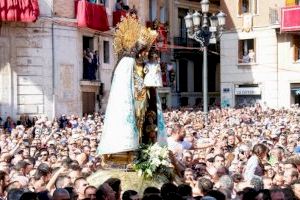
(205, 32)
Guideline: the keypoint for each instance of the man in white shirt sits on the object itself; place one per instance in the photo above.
(176, 142)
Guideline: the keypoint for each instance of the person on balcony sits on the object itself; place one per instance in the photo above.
(85, 62)
(90, 64)
(95, 65)
(121, 6)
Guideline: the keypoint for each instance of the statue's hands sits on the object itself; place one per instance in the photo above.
(158, 69)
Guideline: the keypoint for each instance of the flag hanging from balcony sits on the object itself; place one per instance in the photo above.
(162, 41)
(19, 10)
(92, 16)
(290, 19)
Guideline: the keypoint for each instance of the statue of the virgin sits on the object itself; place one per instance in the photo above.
(127, 103)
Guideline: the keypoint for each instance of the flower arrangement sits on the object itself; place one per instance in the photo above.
(153, 162)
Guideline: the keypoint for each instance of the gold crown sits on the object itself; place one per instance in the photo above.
(130, 31)
(147, 36)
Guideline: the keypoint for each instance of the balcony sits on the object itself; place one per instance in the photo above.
(91, 15)
(117, 16)
(19, 10)
(185, 42)
(273, 16)
(290, 19)
(94, 83)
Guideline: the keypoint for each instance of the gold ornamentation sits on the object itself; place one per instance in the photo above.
(147, 37)
(129, 32)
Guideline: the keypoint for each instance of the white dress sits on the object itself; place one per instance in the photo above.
(153, 75)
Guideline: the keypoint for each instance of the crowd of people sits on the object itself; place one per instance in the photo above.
(247, 153)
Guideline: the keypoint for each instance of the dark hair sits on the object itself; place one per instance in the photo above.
(15, 194)
(29, 196)
(31, 160)
(42, 170)
(152, 52)
(88, 187)
(266, 194)
(219, 155)
(168, 188)
(185, 190)
(288, 193)
(217, 195)
(151, 190)
(115, 184)
(101, 193)
(152, 197)
(77, 180)
(205, 185)
(249, 193)
(259, 150)
(2, 175)
(128, 193)
(43, 195)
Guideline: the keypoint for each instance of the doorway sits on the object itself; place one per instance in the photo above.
(88, 102)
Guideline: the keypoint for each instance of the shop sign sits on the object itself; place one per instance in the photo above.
(247, 91)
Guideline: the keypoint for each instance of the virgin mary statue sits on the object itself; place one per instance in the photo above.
(122, 129)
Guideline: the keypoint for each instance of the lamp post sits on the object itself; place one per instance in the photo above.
(205, 30)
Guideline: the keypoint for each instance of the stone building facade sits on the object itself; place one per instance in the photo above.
(41, 65)
(259, 60)
(187, 57)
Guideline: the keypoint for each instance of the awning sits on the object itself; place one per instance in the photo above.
(247, 91)
(19, 10)
(92, 16)
(296, 91)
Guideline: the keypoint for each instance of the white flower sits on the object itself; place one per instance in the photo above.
(140, 172)
(156, 162)
(165, 163)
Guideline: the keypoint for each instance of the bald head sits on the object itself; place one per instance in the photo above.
(61, 194)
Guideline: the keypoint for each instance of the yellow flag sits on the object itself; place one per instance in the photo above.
(290, 2)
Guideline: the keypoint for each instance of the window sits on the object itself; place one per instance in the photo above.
(181, 22)
(247, 51)
(247, 6)
(183, 73)
(296, 46)
(106, 52)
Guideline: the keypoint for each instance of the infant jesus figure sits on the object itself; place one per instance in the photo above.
(153, 71)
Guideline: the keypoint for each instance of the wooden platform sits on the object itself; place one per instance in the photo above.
(129, 179)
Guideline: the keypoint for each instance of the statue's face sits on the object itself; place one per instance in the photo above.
(150, 120)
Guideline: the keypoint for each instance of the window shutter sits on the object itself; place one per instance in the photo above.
(296, 46)
(241, 50)
(253, 6)
(240, 6)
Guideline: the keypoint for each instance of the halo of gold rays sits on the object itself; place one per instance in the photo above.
(130, 31)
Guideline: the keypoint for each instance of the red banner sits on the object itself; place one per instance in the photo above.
(162, 38)
(19, 10)
(91, 15)
(290, 19)
(117, 15)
